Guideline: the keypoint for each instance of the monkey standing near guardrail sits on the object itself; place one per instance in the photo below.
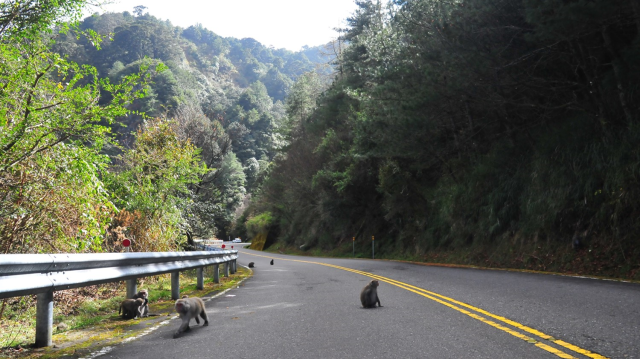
(132, 308)
(143, 294)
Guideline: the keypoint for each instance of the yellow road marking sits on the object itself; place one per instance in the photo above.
(435, 297)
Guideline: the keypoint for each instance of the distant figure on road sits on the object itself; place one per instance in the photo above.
(272, 262)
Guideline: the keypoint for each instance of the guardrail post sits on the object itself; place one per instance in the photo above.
(226, 269)
(175, 285)
(44, 319)
(233, 267)
(200, 275)
(132, 288)
(216, 273)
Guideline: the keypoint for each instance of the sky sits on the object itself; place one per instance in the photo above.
(288, 24)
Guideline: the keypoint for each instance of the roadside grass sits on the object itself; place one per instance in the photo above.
(87, 318)
(594, 259)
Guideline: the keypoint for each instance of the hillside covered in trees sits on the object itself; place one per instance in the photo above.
(499, 133)
(121, 125)
(227, 95)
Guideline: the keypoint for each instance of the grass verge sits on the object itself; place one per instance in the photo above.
(598, 259)
(86, 319)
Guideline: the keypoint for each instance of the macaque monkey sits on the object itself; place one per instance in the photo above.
(143, 294)
(369, 295)
(132, 308)
(251, 264)
(576, 244)
(189, 308)
(272, 262)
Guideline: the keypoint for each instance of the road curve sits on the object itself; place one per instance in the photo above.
(309, 307)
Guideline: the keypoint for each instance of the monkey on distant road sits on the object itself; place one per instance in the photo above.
(369, 295)
(272, 262)
(132, 308)
(189, 308)
(251, 264)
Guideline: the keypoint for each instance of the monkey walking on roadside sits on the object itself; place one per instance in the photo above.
(369, 295)
(132, 308)
(189, 308)
(143, 294)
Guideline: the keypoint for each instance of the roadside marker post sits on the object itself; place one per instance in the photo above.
(126, 243)
(373, 249)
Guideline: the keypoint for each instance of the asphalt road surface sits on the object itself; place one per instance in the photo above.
(304, 307)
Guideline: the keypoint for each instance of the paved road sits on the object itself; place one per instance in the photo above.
(304, 307)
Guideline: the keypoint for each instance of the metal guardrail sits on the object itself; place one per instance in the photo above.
(22, 274)
(42, 274)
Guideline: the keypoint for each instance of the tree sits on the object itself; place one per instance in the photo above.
(30, 17)
(301, 101)
(52, 129)
(211, 138)
(139, 10)
(230, 179)
(152, 180)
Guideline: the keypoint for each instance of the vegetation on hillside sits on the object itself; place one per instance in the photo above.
(500, 133)
(475, 126)
(472, 125)
(122, 125)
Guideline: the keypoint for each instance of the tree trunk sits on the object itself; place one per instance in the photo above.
(615, 62)
(635, 4)
(590, 73)
(191, 244)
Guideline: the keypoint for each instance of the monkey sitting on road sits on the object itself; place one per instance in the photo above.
(132, 308)
(369, 295)
(251, 264)
(189, 308)
(143, 294)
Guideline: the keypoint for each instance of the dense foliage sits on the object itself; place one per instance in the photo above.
(470, 124)
(225, 94)
(507, 126)
(51, 133)
(125, 126)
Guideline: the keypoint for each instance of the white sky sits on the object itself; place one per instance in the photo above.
(288, 24)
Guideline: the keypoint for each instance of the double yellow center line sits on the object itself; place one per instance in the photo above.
(472, 311)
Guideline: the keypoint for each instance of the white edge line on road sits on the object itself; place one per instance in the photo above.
(108, 349)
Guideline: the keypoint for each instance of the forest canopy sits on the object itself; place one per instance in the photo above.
(434, 125)
(122, 125)
(462, 124)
